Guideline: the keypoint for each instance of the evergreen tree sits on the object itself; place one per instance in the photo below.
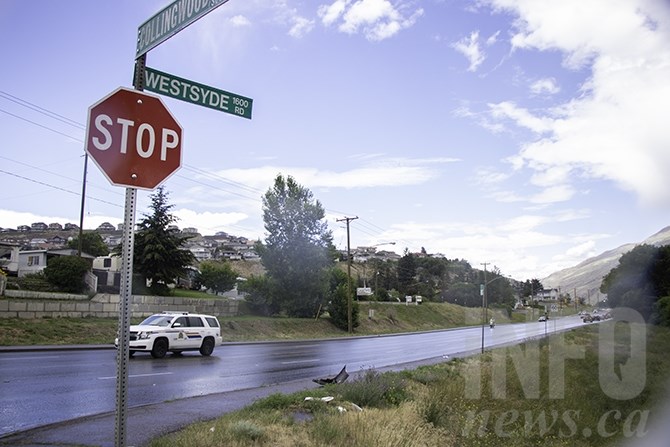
(338, 305)
(158, 255)
(407, 274)
(298, 248)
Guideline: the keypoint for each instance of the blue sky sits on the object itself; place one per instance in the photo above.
(526, 134)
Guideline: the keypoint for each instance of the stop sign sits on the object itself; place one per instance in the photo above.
(133, 138)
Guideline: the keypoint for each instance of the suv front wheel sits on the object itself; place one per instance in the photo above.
(160, 348)
(207, 347)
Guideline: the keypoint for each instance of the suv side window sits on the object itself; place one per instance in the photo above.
(183, 322)
(195, 322)
(213, 322)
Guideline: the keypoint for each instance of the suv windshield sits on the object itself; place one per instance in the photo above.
(157, 320)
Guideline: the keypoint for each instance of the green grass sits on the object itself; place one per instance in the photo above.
(57, 331)
(387, 318)
(436, 406)
(376, 318)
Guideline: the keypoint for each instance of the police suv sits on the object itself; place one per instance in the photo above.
(175, 332)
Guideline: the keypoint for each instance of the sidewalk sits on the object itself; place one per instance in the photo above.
(147, 422)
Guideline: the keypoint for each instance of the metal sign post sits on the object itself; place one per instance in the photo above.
(122, 354)
(163, 25)
(127, 247)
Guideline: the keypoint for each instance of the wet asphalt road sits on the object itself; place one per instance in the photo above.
(38, 388)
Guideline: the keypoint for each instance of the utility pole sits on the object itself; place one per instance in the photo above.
(83, 201)
(349, 299)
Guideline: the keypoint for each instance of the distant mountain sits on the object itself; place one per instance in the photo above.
(585, 278)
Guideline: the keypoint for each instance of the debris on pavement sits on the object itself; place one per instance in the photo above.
(339, 378)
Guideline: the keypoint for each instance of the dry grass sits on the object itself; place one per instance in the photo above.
(432, 406)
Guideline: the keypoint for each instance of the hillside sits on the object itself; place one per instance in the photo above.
(585, 278)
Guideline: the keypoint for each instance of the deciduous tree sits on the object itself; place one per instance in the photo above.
(217, 275)
(298, 248)
(91, 243)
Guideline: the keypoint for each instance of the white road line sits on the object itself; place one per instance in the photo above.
(32, 358)
(300, 361)
(137, 375)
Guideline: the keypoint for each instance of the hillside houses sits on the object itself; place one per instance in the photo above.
(364, 254)
(28, 245)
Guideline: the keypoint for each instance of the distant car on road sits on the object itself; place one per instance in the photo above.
(587, 318)
(175, 332)
(543, 318)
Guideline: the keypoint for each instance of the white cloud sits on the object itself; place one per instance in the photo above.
(208, 222)
(553, 194)
(378, 173)
(469, 47)
(489, 176)
(376, 19)
(583, 250)
(520, 116)
(616, 129)
(545, 86)
(239, 21)
(330, 13)
(13, 219)
(493, 38)
(514, 239)
(301, 26)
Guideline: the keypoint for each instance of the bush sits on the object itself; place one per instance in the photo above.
(67, 273)
(32, 281)
(376, 390)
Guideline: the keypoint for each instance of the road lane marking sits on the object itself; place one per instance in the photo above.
(32, 358)
(300, 361)
(137, 375)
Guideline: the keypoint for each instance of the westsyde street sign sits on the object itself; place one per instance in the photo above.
(196, 93)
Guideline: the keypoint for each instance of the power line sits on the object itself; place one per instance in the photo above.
(40, 125)
(58, 175)
(57, 187)
(43, 111)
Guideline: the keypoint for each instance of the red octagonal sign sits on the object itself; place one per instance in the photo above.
(134, 139)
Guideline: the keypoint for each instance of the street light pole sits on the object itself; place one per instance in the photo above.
(484, 313)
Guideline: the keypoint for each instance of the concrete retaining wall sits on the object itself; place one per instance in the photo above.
(107, 306)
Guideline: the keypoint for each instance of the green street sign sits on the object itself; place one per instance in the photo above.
(170, 20)
(196, 93)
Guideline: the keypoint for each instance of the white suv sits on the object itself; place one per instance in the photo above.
(175, 332)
